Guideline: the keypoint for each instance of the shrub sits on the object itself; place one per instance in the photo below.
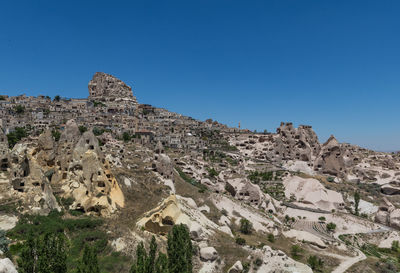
(395, 246)
(258, 262)
(246, 267)
(212, 172)
(56, 135)
(82, 129)
(97, 131)
(331, 226)
(245, 226)
(240, 241)
(356, 202)
(271, 237)
(126, 136)
(3, 241)
(98, 103)
(16, 136)
(19, 109)
(315, 263)
(296, 250)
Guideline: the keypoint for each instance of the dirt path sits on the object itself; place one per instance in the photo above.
(347, 262)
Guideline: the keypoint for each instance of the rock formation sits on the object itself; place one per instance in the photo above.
(74, 167)
(105, 87)
(311, 192)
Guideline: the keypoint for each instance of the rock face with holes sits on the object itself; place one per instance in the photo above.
(296, 143)
(161, 219)
(72, 167)
(162, 163)
(331, 159)
(20, 167)
(84, 173)
(105, 87)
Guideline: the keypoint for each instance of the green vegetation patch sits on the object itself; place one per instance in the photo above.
(191, 181)
(79, 232)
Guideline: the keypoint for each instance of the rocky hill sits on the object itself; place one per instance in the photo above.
(252, 202)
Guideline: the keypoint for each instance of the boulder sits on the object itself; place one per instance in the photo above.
(208, 254)
(6, 266)
(236, 268)
(196, 231)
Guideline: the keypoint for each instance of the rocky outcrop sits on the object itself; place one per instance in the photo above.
(162, 163)
(312, 193)
(330, 160)
(296, 143)
(388, 214)
(46, 149)
(161, 219)
(88, 178)
(72, 167)
(105, 87)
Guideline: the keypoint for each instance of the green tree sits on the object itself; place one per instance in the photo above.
(356, 202)
(44, 254)
(151, 258)
(56, 135)
(179, 259)
(179, 250)
(13, 137)
(57, 98)
(52, 254)
(19, 109)
(212, 172)
(126, 136)
(26, 261)
(82, 129)
(240, 241)
(245, 226)
(395, 246)
(271, 237)
(4, 242)
(141, 258)
(161, 265)
(97, 131)
(295, 251)
(89, 262)
(315, 263)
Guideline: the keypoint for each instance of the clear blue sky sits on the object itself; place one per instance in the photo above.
(332, 64)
